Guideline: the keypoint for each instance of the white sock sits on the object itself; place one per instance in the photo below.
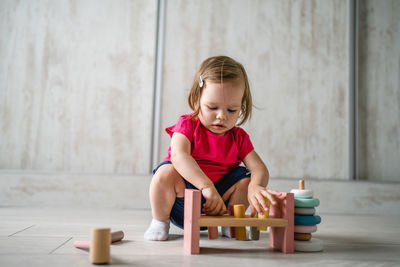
(157, 231)
(226, 231)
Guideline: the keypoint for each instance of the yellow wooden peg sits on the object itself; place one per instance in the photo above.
(264, 215)
(238, 212)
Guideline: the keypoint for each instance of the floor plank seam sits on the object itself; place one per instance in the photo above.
(20, 231)
(51, 252)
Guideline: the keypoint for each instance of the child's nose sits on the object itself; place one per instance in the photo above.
(221, 115)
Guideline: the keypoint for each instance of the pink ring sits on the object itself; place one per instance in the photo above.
(305, 229)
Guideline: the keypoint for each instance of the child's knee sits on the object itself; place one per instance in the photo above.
(240, 187)
(161, 177)
(168, 177)
(243, 183)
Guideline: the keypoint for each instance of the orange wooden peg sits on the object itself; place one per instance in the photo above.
(301, 185)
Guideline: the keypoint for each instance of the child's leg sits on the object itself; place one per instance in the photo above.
(165, 186)
(237, 194)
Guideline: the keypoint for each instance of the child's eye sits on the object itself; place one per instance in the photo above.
(212, 108)
(231, 110)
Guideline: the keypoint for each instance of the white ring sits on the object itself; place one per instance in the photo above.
(313, 245)
(302, 193)
(304, 211)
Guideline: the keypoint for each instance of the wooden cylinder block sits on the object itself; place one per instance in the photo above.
(100, 240)
(213, 232)
(240, 232)
(117, 236)
(254, 233)
(85, 244)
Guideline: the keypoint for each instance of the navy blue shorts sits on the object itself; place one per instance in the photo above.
(222, 185)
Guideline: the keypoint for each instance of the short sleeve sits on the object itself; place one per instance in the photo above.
(185, 126)
(243, 143)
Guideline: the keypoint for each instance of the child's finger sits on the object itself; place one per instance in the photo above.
(276, 194)
(211, 206)
(255, 204)
(253, 211)
(210, 203)
(219, 209)
(206, 206)
(212, 212)
(261, 200)
(222, 209)
(214, 206)
(270, 197)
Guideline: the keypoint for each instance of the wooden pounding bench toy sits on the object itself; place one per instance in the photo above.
(281, 222)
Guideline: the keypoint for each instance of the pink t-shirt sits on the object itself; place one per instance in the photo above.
(215, 154)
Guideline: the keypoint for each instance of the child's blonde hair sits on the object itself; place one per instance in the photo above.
(221, 69)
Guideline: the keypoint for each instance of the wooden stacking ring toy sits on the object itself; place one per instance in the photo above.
(313, 245)
(306, 229)
(306, 219)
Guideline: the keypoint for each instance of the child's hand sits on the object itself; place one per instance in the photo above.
(214, 204)
(256, 196)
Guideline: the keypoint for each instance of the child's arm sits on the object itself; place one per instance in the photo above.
(258, 182)
(186, 166)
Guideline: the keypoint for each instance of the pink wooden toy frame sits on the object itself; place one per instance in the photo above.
(281, 222)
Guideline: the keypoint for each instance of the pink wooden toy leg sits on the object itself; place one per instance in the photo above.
(282, 238)
(191, 234)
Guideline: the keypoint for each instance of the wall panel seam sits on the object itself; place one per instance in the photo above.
(159, 58)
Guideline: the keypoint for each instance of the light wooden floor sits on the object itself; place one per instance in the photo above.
(44, 237)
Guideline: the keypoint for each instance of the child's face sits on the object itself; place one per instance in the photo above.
(220, 106)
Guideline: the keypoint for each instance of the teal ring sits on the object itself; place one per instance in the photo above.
(306, 202)
(307, 220)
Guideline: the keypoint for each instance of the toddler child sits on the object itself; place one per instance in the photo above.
(207, 147)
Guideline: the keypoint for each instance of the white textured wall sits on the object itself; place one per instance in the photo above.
(295, 53)
(76, 81)
(76, 85)
(379, 90)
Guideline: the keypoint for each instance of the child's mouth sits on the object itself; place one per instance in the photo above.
(219, 126)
